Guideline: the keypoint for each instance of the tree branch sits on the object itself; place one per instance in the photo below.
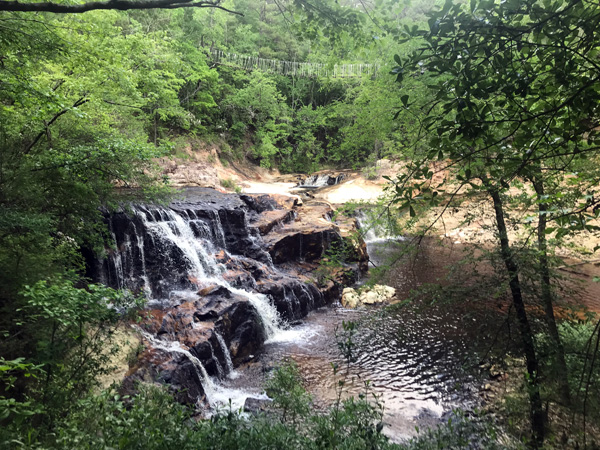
(8, 5)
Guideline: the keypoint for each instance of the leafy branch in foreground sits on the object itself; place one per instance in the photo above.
(61, 8)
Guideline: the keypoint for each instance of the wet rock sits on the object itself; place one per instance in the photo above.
(320, 179)
(269, 220)
(259, 203)
(216, 290)
(256, 405)
(292, 298)
(242, 329)
(263, 244)
(307, 238)
(158, 366)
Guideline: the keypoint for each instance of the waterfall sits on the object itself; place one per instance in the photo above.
(140, 244)
(173, 230)
(322, 180)
(176, 231)
(184, 248)
(372, 231)
(218, 396)
(117, 260)
(175, 347)
(265, 309)
(169, 253)
(231, 373)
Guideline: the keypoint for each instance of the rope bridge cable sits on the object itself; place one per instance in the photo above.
(293, 68)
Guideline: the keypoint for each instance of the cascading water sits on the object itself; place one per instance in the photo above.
(217, 395)
(202, 267)
(373, 232)
(168, 253)
(140, 244)
(322, 180)
(231, 373)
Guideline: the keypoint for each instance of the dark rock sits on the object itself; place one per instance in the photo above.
(211, 314)
(256, 405)
(268, 244)
(241, 327)
(259, 203)
(215, 290)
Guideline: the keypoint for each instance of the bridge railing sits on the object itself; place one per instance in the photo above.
(293, 68)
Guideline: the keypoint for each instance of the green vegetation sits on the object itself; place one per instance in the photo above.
(516, 110)
(502, 95)
(152, 420)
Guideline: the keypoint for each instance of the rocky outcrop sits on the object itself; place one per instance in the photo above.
(205, 261)
(305, 239)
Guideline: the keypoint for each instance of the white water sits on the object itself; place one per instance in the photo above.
(321, 180)
(140, 242)
(203, 267)
(219, 397)
(176, 230)
(231, 373)
(373, 232)
(118, 262)
(204, 270)
(175, 347)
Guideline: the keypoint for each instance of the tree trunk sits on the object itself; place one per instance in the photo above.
(546, 288)
(537, 412)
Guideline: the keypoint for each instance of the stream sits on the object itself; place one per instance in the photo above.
(419, 365)
(218, 300)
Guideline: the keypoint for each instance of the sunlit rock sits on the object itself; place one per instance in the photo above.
(369, 296)
(350, 298)
(377, 294)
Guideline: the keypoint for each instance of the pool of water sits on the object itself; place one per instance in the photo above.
(419, 361)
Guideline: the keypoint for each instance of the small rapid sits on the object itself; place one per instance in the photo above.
(321, 180)
(218, 396)
(372, 230)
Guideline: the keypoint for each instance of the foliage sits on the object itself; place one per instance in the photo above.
(335, 260)
(515, 109)
(228, 183)
(579, 340)
(460, 431)
(151, 420)
(288, 395)
(89, 102)
(68, 332)
(11, 409)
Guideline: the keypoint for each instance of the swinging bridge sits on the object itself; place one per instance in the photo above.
(293, 68)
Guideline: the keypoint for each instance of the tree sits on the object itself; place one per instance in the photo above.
(517, 98)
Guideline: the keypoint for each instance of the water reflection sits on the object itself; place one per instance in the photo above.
(417, 360)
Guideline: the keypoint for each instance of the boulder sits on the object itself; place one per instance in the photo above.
(377, 294)
(350, 298)
(369, 296)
